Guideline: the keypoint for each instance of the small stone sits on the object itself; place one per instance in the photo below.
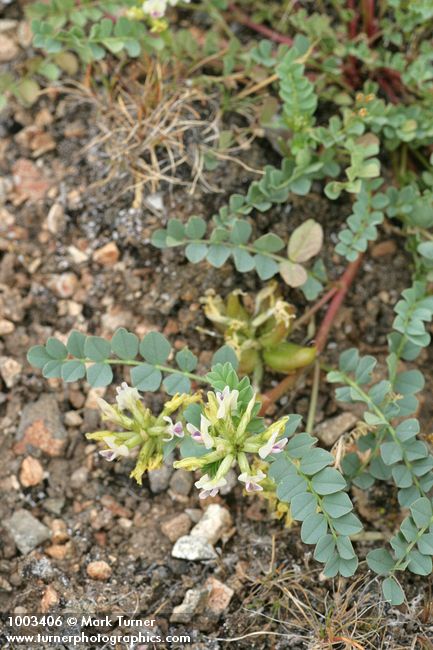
(181, 482)
(176, 527)
(63, 285)
(4, 585)
(77, 256)
(59, 532)
(79, 478)
(219, 597)
(193, 603)
(107, 255)
(215, 522)
(59, 551)
(159, 479)
(330, 430)
(193, 548)
(26, 531)
(92, 397)
(31, 472)
(232, 481)
(30, 184)
(73, 419)
(383, 248)
(6, 327)
(99, 570)
(55, 221)
(24, 34)
(54, 505)
(10, 371)
(49, 599)
(41, 427)
(8, 49)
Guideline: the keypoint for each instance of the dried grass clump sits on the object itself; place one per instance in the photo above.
(158, 127)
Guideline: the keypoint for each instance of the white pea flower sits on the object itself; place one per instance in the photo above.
(209, 487)
(127, 397)
(227, 402)
(155, 8)
(173, 429)
(272, 446)
(252, 482)
(201, 435)
(114, 450)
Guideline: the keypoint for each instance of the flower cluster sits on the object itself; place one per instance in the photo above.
(223, 430)
(142, 431)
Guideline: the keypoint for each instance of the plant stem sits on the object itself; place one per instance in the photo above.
(290, 380)
(260, 29)
(315, 308)
(345, 282)
(313, 401)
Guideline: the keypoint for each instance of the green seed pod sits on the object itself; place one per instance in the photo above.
(286, 357)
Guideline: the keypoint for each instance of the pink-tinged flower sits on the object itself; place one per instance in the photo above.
(173, 429)
(114, 450)
(227, 402)
(201, 435)
(272, 446)
(155, 8)
(127, 397)
(252, 482)
(209, 487)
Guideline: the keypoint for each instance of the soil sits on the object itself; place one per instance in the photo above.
(51, 283)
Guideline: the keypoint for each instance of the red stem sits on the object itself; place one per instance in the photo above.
(335, 304)
(322, 336)
(369, 19)
(353, 25)
(260, 29)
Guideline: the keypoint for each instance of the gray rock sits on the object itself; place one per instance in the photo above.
(159, 479)
(332, 429)
(215, 522)
(193, 548)
(193, 603)
(79, 478)
(54, 505)
(181, 482)
(27, 532)
(41, 427)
